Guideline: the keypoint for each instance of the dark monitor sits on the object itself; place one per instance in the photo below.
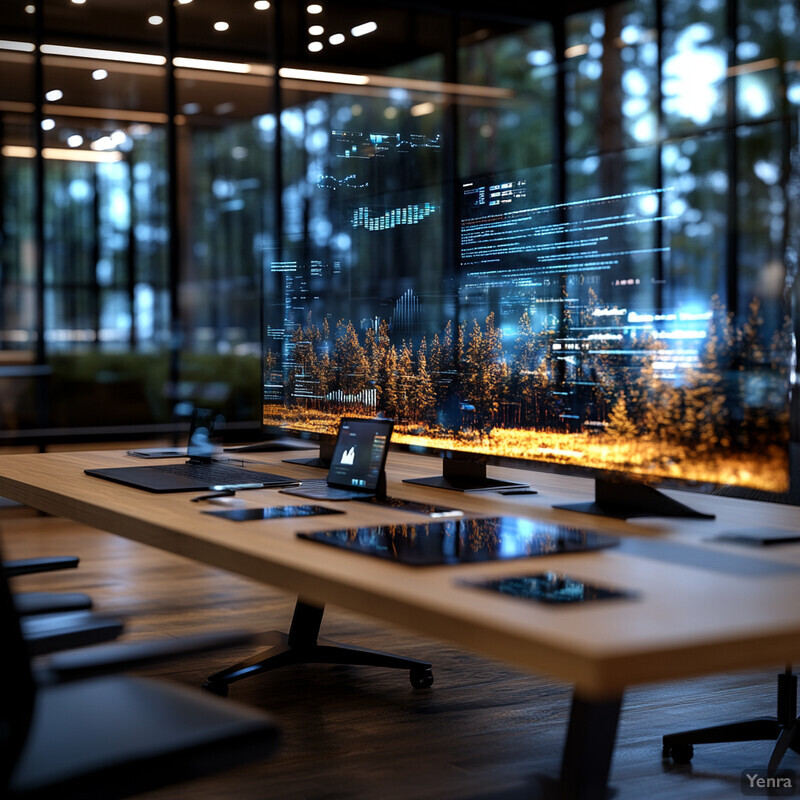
(585, 326)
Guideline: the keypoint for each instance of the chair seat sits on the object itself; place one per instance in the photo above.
(116, 736)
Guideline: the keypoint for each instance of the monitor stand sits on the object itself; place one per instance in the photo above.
(270, 446)
(462, 474)
(623, 500)
(322, 461)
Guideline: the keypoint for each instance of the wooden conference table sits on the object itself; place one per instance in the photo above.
(698, 606)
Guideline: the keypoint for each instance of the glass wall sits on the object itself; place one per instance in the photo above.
(167, 165)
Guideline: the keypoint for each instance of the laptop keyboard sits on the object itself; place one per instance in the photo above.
(315, 485)
(217, 474)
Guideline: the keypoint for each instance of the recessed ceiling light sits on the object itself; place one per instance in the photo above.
(314, 8)
(100, 74)
(221, 26)
(155, 19)
(53, 95)
(184, 2)
(364, 28)
(316, 30)
(78, 2)
(314, 47)
(48, 124)
(261, 5)
(30, 9)
(336, 38)
(76, 140)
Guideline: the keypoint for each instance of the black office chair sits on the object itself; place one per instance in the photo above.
(66, 733)
(52, 621)
(783, 729)
(29, 603)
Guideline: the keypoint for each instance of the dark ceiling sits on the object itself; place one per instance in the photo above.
(407, 30)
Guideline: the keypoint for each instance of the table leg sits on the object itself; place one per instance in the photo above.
(589, 747)
(302, 645)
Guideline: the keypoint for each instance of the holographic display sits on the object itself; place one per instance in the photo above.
(570, 334)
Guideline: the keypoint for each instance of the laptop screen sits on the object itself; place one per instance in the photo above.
(360, 452)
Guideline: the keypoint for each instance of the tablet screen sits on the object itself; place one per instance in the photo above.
(359, 455)
(464, 540)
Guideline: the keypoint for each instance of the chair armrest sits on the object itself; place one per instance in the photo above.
(28, 566)
(73, 665)
(49, 633)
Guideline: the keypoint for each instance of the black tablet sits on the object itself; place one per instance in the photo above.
(275, 512)
(464, 540)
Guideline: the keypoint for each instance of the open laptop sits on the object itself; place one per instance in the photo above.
(359, 458)
(199, 473)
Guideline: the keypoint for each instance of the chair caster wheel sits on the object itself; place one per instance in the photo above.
(680, 753)
(421, 677)
(216, 687)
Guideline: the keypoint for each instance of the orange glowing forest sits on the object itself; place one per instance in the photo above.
(720, 417)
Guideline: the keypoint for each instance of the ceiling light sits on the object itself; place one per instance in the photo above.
(105, 55)
(60, 154)
(53, 95)
(78, 2)
(30, 9)
(316, 30)
(364, 28)
(314, 8)
(116, 139)
(22, 47)
(48, 124)
(336, 38)
(155, 20)
(76, 140)
(314, 47)
(421, 109)
(184, 2)
(576, 50)
(221, 26)
(261, 5)
(328, 77)
(216, 66)
(100, 74)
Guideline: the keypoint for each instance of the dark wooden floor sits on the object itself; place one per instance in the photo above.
(482, 731)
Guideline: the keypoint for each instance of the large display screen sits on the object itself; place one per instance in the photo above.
(592, 334)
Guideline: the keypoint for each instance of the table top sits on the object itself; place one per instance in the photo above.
(698, 606)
